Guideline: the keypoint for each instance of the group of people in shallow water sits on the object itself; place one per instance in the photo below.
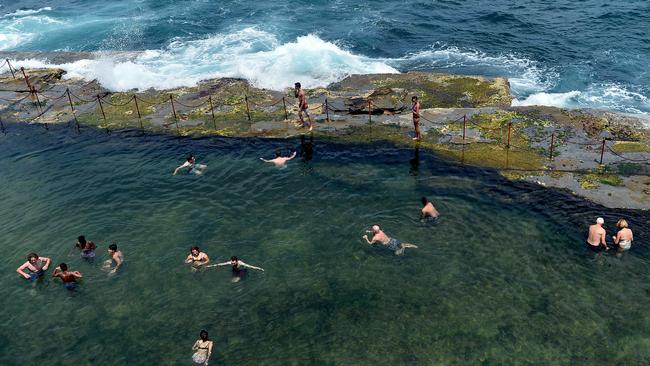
(597, 237)
(36, 266)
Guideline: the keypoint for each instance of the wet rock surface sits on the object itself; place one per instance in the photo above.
(464, 118)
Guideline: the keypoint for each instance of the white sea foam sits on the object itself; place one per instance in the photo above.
(251, 54)
(261, 58)
(549, 99)
(17, 31)
(23, 12)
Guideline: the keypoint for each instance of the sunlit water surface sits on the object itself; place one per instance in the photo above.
(501, 278)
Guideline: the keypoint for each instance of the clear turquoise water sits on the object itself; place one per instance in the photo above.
(502, 278)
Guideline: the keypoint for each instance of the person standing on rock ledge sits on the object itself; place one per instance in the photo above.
(303, 106)
(415, 108)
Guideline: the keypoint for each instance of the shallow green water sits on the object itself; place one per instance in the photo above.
(501, 278)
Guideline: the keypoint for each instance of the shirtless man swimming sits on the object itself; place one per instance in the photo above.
(596, 236)
(238, 268)
(197, 257)
(35, 265)
(69, 277)
(391, 243)
(303, 106)
(428, 210)
(279, 160)
(116, 257)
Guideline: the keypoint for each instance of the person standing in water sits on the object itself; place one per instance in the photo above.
(190, 162)
(86, 247)
(35, 265)
(197, 257)
(303, 106)
(428, 210)
(391, 243)
(116, 257)
(202, 348)
(69, 278)
(415, 109)
(596, 236)
(279, 160)
(624, 237)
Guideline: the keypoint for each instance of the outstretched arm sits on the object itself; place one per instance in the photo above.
(368, 241)
(266, 161)
(56, 272)
(249, 266)
(292, 156)
(21, 270)
(181, 167)
(77, 274)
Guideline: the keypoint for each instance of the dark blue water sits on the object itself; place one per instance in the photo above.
(590, 53)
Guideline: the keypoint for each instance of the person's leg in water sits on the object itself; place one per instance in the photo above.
(403, 246)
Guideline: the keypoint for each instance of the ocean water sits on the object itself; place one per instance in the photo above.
(502, 278)
(567, 53)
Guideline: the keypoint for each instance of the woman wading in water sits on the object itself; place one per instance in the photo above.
(202, 348)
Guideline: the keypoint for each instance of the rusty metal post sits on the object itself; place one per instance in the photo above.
(29, 86)
(327, 110)
(602, 152)
(38, 101)
(464, 127)
(10, 68)
(73, 111)
(137, 109)
(550, 156)
(369, 111)
(284, 102)
(248, 110)
(509, 129)
(171, 100)
(101, 108)
(214, 122)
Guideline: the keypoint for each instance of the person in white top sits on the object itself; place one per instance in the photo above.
(190, 162)
(624, 237)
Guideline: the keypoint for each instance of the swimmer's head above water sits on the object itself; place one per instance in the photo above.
(112, 248)
(63, 267)
(424, 200)
(600, 221)
(32, 258)
(233, 261)
(195, 250)
(81, 240)
(190, 158)
(203, 335)
(375, 229)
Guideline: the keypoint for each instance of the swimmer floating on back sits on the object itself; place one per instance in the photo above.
(238, 267)
(390, 243)
(279, 160)
(69, 277)
(190, 162)
(202, 348)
